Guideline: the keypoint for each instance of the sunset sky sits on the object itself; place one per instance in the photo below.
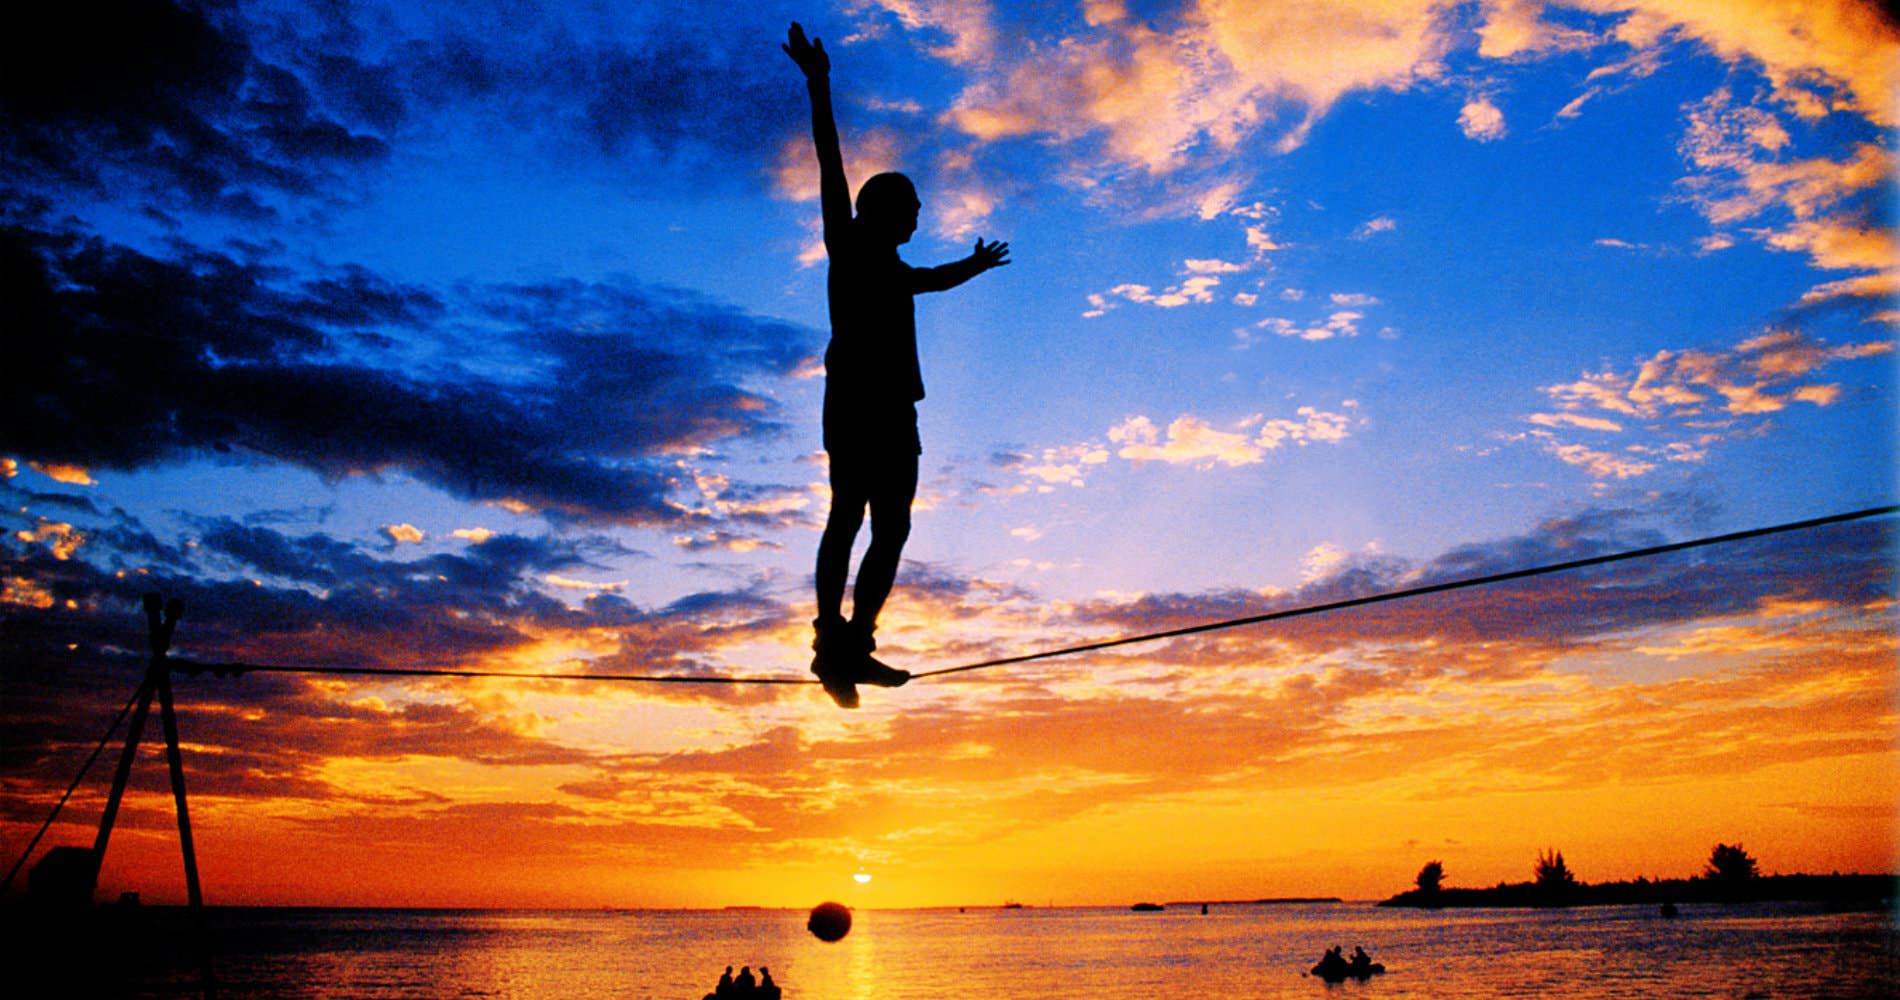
(489, 335)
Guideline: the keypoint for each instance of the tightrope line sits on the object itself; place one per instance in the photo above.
(1086, 647)
(222, 669)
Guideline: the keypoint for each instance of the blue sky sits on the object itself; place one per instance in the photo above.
(330, 301)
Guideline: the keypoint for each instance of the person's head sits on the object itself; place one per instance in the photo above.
(887, 207)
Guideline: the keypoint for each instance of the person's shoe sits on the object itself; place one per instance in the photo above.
(873, 671)
(877, 673)
(834, 665)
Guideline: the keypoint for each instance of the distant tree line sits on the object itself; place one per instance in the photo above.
(1731, 875)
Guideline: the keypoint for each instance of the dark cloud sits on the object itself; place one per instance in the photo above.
(168, 98)
(132, 360)
(75, 640)
(660, 89)
(17, 498)
(1843, 565)
(366, 91)
(255, 594)
(233, 109)
(1010, 460)
(717, 541)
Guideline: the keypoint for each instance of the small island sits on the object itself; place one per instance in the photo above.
(1730, 876)
(1265, 901)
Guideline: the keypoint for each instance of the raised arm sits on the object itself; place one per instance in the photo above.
(947, 276)
(834, 192)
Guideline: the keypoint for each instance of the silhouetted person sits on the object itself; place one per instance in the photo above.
(1332, 966)
(872, 385)
(768, 990)
(724, 988)
(744, 985)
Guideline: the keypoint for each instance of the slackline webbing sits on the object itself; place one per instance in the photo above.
(221, 669)
(1086, 647)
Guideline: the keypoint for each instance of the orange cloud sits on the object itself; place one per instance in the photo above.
(1155, 97)
(1819, 55)
(1339, 323)
(1589, 704)
(1187, 440)
(1481, 120)
(868, 153)
(1739, 178)
(72, 475)
(965, 24)
(58, 536)
(1677, 392)
(1516, 27)
(403, 533)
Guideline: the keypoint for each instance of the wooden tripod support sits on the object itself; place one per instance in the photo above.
(161, 619)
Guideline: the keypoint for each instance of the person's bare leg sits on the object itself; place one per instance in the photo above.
(833, 640)
(877, 574)
(890, 529)
(834, 554)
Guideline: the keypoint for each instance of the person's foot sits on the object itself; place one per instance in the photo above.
(839, 683)
(834, 665)
(871, 670)
(876, 672)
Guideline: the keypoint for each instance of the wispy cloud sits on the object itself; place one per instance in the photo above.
(1157, 96)
(1339, 323)
(1374, 226)
(1689, 400)
(1815, 206)
(1516, 28)
(1189, 441)
(1481, 120)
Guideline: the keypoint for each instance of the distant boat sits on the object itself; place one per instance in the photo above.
(1147, 907)
(1010, 904)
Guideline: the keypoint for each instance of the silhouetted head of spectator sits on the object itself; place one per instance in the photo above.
(887, 208)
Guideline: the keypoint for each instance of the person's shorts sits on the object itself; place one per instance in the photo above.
(879, 480)
(874, 461)
(872, 434)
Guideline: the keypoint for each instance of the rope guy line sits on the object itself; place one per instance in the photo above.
(61, 804)
(193, 667)
(1126, 640)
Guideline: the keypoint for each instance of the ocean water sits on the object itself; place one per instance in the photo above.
(1753, 951)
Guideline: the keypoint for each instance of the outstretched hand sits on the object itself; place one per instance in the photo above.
(992, 254)
(809, 55)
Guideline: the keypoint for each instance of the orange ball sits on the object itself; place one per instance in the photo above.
(829, 921)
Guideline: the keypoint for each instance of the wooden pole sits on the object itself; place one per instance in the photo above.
(193, 893)
(161, 619)
(122, 773)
